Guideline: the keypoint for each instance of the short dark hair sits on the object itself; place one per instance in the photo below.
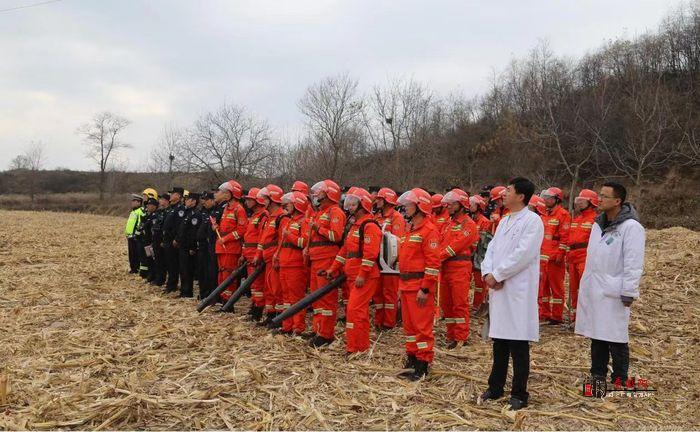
(618, 189)
(523, 186)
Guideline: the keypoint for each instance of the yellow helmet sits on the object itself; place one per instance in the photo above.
(150, 192)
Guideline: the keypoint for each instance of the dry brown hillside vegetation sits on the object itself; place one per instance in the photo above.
(87, 346)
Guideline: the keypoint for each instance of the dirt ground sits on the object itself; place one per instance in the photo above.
(87, 346)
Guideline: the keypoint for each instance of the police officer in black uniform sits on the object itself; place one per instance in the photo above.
(171, 225)
(186, 241)
(206, 240)
(147, 236)
(159, 271)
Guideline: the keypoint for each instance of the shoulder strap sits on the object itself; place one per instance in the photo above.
(362, 233)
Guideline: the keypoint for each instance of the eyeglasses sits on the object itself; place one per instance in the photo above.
(606, 197)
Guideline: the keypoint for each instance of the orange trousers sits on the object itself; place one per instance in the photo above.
(227, 264)
(257, 290)
(551, 293)
(575, 274)
(418, 323)
(357, 318)
(480, 290)
(325, 308)
(454, 298)
(273, 289)
(385, 299)
(293, 281)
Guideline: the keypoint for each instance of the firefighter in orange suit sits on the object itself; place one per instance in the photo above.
(477, 206)
(459, 237)
(271, 195)
(327, 228)
(419, 265)
(499, 210)
(289, 258)
(586, 205)
(387, 295)
(232, 227)
(251, 238)
(556, 236)
(440, 214)
(358, 259)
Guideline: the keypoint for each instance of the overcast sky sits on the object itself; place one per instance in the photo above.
(164, 62)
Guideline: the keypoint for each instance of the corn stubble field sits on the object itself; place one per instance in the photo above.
(87, 346)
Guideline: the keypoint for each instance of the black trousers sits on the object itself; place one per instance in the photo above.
(134, 257)
(143, 259)
(172, 264)
(601, 351)
(158, 269)
(520, 352)
(207, 270)
(187, 266)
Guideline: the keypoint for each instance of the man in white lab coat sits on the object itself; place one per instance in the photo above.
(610, 283)
(511, 270)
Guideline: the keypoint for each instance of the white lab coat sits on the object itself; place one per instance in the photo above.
(614, 266)
(513, 257)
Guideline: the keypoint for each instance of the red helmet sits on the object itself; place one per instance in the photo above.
(329, 187)
(300, 186)
(456, 195)
(387, 195)
(361, 195)
(498, 192)
(419, 197)
(273, 192)
(479, 201)
(553, 192)
(253, 194)
(234, 187)
(300, 201)
(436, 200)
(536, 201)
(589, 195)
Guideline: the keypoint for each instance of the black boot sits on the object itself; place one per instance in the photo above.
(319, 341)
(409, 363)
(421, 370)
(267, 320)
(256, 313)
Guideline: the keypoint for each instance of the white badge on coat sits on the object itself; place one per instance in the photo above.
(181, 213)
(194, 221)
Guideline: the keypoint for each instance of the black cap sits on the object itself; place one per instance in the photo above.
(152, 201)
(207, 195)
(166, 196)
(193, 195)
(178, 189)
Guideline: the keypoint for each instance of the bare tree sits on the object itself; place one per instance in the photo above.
(30, 160)
(332, 109)
(395, 116)
(102, 136)
(229, 143)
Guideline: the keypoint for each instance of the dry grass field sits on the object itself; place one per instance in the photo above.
(87, 346)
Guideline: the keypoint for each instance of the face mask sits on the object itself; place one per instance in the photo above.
(315, 202)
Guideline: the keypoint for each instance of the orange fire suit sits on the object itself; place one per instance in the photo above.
(459, 235)
(294, 275)
(552, 259)
(419, 263)
(359, 263)
(324, 245)
(250, 250)
(577, 246)
(387, 294)
(267, 246)
(480, 290)
(232, 228)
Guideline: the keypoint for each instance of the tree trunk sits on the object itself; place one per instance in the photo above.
(102, 185)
